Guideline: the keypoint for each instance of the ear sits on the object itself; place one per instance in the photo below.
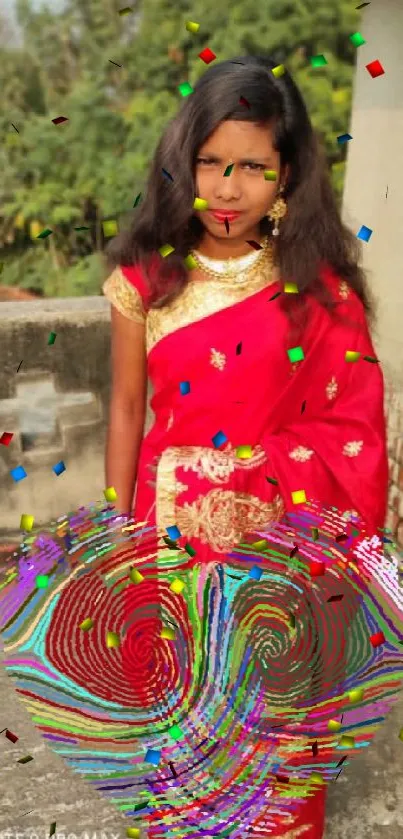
(284, 175)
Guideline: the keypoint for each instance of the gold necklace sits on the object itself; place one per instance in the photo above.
(235, 267)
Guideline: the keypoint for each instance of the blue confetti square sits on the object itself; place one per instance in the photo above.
(184, 388)
(153, 756)
(344, 138)
(255, 573)
(364, 233)
(219, 439)
(59, 468)
(173, 532)
(18, 473)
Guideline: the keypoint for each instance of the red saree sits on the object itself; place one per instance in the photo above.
(223, 378)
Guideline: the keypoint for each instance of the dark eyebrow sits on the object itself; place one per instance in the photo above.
(251, 159)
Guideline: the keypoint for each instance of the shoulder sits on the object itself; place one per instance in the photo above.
(342, 294)
(126, 288)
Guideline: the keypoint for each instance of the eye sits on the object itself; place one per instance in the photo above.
(256, 167)
(205, 161)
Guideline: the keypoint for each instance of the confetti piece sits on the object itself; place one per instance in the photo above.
(6, 438)
(59, 468)
(298, 496)
(59, 120)
(167, 175)
(112, 640)
(317, 567)
(357, 39)
(51, 339)
(110, 494)
(375, 69)
(334, 725)
(45, 233)
(270, 175)
(352, 355)
(243, 101)
(377, 639)
(364, 233)
(52, 829)
(344, 138)
(173, 532)
(184, 388)
(185, 89)
(255, 573)
(19, 365)
(137, 200)
(277, 294)
(114, 62)
(18, 473)
(341, 537)
(228, 170)
(293, 552)
(335, 598)
(190, 262)
(244, 452)
(371, 359)
(26, 759)
(168, 634)
(278, 71)
(219, 439)
(238, 348)
(356, 695)
(10, 736)
(315, 533)
(226, 223)
(135, 576)
(200, 204)
(177, 586)
(303, 406)
(318, 61)
(291, 620)
(290, 288)
(170, 543)
(401, 735)
(315, 749)
(77, 229)
(153, 756)
(110, 228)
(362, 5)
(273, 481)
(42, 581)
(133, 833)
(192, 27)
(189, 550)
(126, 11)
(347, 742)
(165, 250)
(207, 55)
(175, 732)
(88, 623)
(296, 354)
(15, 128)
(254, 244)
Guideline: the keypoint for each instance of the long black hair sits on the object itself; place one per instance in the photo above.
(312, 233)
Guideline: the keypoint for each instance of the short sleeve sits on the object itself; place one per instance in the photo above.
(125, 289)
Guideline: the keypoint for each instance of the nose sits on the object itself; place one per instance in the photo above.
(227, 188)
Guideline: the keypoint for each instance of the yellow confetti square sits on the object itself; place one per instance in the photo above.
(290, 288)
(270, 175)
(334, 725)
(133, 833)
(352, 355)
(168, 633)
(260, 545)
(27, 522)
(356, 695)
(165, 250)
(278, 71)
(88, 623)
(135, 576)
(347, 742)
(298, 497)
(112, 639)
(244, 452)
(177, 586)
(110, 494)
(190, 262)
(401, 734)
(110, 228)
(192, 27)
(200, 204)
(316, 778)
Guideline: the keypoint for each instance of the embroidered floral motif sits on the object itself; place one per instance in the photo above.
(297, 832)
(332, 388)
(217, 359)
(350, 514)
(301, 454)
(344, 290)
(126, 299)
(353, 448)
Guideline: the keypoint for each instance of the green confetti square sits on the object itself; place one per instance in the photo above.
(296, 354)
(45, 233)
(357, 39)
(42, 581)
(175, 732)
(185, 89)
(318, 61)
(52, 338)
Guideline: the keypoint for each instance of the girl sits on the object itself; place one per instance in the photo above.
(252, 327)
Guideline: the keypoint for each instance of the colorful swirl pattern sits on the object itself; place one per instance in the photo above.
(205, 700)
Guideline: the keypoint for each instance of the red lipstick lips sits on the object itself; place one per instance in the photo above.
(221, 215)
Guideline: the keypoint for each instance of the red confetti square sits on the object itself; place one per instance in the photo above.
(6, 438)
(377, 639)
(207, 55)
(317, 568)
(375, 69)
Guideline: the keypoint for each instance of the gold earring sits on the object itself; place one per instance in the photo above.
(277, 212)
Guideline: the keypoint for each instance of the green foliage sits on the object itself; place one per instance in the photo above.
(91, 168)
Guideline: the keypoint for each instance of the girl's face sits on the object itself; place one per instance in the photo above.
(244, 192)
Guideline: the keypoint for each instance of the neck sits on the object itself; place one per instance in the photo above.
(227, 248)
